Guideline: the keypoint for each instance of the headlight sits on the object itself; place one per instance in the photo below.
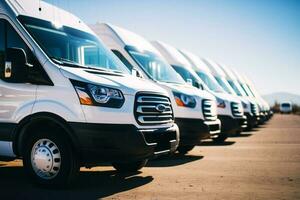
(98, 95)
(220, 103)
(245, 106)
(184, 100)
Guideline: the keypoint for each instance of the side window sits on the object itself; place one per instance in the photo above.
(32, 72)
(123, 59)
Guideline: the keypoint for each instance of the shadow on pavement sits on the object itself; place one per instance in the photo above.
(244, 135)
(211, 143)
(173, 160)
(15, 184)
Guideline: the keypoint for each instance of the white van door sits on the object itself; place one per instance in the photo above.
(17, 94)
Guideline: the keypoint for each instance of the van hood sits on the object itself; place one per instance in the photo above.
(127, 83)
(187, 89)
(227, 97)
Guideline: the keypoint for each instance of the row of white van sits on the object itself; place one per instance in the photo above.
(69, 99)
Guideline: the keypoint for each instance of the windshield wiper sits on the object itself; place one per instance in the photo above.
(66, 62)
(71, 63)
(104, 69)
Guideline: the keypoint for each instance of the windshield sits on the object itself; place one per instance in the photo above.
(223, 84)
(237, 88)
(210, 82)
(70, 46)
(189, 77)
(155, 67)
(246, 90)
(286, 105)
(252, 91)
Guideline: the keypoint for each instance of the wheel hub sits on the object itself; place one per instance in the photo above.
(45, 159)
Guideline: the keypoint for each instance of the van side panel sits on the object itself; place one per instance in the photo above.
(61, 100)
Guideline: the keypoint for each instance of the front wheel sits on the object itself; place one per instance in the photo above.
(221, 138)
(130, 166)
(185, 149)
(49, 159)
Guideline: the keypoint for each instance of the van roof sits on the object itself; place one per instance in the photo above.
(214, 67)
(45, 11)
(127, 37)
(196, 61)
(229, 74)
(171, 54)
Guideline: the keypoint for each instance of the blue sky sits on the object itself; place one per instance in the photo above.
(260, 38)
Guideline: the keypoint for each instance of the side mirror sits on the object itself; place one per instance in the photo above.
(136, 73)
(199, 85)
(16, 68)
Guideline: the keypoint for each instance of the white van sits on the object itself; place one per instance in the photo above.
(220, 77)
(229, 109)
(194, 110)
(253, 117)
(286, 107)
(256, 94)
(250, 94)
(66, 101)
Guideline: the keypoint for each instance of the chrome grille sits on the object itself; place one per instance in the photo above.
(209, 109)
(236, 109)
(153, 109)
(254, 109)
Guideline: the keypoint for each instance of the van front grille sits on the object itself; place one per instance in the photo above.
(209, 109)
(236, 109)
(151, 109)
(254, 109)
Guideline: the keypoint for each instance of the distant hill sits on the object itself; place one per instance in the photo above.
(282, 96)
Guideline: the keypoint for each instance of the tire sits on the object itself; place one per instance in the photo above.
(238, 133)
(221, 138)
(130, 166)
(185, 149)
(49, 159)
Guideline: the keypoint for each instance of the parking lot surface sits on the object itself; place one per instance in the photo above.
(262, 164)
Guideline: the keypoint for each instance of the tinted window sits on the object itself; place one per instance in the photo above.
(186, 75)
(9, 38)
(231, 83)
(123, 59)
(210, 82)
(154, 66)
(286, 105)
(66, 44)
(223, 85)
(14, 40)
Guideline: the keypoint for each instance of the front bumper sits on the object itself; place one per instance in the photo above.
(231, 126)
(252, 120)
(122, 142)
(263, 118)
(192, 131)
(214, 128)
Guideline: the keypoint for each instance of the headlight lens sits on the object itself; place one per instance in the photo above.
(97, 95)
(184, 100)
(103, 94)
(221, 103)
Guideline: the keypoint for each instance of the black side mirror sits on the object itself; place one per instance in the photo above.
(136, 73)
(199, 85)
(16, 68)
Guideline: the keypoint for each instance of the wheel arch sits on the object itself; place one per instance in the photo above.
(37, 120)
